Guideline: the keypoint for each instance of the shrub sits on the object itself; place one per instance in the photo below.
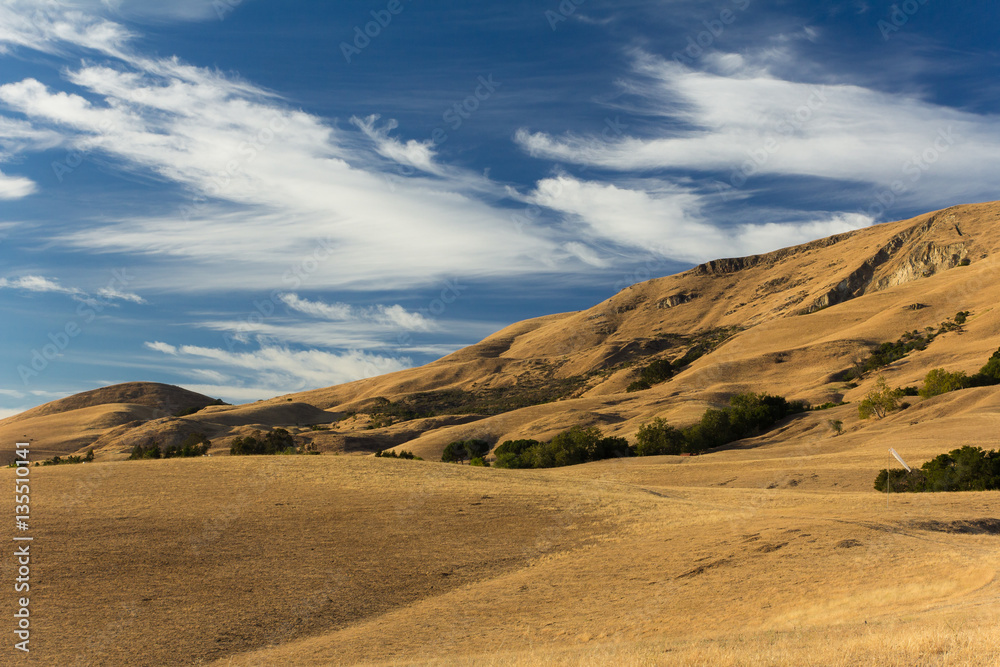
(403, 454)
(577, 445)
(278, 441)
(992, 368)
(965, 261)
(195, 444)
(509, 454)
(961, 317)
(479, 462)
(837, 426)
(658, 371)
(965, 469)
(150, 451)
(69, 460)
(880, 401)
(659, 438)
(939, 381)
(460, 450)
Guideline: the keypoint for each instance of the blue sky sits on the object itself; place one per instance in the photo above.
(249, 198)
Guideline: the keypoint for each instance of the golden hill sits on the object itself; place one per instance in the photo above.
(785, 322)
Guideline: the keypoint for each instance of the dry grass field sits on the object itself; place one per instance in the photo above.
(348, 560)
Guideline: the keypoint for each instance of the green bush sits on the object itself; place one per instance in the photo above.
(880, 401)
(508, 455)
(403, 454)
(572, 447)
(658, 371)
(939, 381)
(462, 450)
(478, 462)
(278, 441)
(195, 444)
(150, 451)
(965, 469)
(69, 460)
(991, 371)
(658, 438)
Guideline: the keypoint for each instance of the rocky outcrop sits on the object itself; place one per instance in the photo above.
(675, 300)
(905, 258)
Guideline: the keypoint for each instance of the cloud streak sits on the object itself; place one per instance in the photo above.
(746, 122)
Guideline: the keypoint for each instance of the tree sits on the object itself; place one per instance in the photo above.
(837, 426)
(571, 447)
(454, 452)
(939, 381)
(511, 454)
(992, 368)
(659, 438)
(880, 401)
(612, 447)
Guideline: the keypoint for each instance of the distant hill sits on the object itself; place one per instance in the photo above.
(790, 322)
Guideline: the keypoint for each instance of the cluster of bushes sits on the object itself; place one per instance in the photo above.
(487, 401)
(749, 415)
(388, 454)
(278, 441)
(659, 371)
(572, 447)
(827, 405)
(662, 370)
(965, 469)
(68, 460)
(466, 450)
(887, 353)
(882, 399)
(940, 381)
(195, 444)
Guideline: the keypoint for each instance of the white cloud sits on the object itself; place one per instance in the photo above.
(208, 375)
(37, 284)
(15, 187)
(395, 317)
(52, 26)
(748, 122)
(235, 394)
(10, 412)
(116, 294)
(165, 348)
(268, 183)
(417, 154)
(286, 370)
(669, 221)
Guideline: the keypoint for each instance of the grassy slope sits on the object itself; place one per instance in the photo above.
(343, 560)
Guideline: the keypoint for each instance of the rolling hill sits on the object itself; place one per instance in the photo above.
(773, 550)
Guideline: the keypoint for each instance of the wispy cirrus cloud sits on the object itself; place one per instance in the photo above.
(743, 121)
(281, 369)
(669, 220)
(33, 283)
(395, 317)
(42, 284)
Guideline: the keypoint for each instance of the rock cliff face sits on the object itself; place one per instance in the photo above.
(918, 252)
